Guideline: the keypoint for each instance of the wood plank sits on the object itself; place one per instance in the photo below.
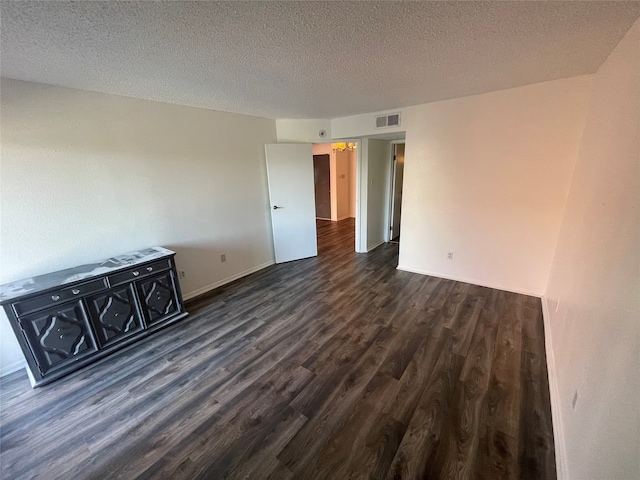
(456, 453)
(327, 413)
(536, 447)
(366, 442)
(417, 450)
(415, 378)
(238, 432)
(498, 444)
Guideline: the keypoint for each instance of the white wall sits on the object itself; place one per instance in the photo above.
(305, 131)
(86, 176)
(595, 277)
(378, 182)
(353, 155)
(398, 181)
(363, 125)
(334, 184)
(486, 177)
(342, 185)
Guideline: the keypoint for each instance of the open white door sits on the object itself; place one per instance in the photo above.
(292, 195)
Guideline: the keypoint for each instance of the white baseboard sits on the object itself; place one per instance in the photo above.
(562, 470)
(224, 281)
(373, 247)
(12, 367)
(473, 281)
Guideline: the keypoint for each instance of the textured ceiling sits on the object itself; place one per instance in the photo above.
(306, 59)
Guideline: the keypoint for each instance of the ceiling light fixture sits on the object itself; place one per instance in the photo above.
(344, 147)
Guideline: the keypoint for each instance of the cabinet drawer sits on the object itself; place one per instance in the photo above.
(139, 272)
(59, 296)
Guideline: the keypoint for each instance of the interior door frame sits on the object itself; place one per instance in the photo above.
(392, 180)
(316, 184)
(360, 246)
(361, 185)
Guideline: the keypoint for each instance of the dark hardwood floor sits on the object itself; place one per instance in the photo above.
(335, 367)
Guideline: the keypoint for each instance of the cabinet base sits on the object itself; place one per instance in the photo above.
(32, 379)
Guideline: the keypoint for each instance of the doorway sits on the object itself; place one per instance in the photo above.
(335, 185)
(369, 173)
(322, 183)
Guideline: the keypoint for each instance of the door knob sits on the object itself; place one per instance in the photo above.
(275, 207)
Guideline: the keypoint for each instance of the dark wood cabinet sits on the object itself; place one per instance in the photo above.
(115, 314)
(67, 319)
(58, 336)
(158, 297)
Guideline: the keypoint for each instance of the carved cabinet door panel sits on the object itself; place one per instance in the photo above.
(158, 297)
(58, 336)
(115, 314)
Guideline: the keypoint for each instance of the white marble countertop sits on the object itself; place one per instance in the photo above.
(29, 286)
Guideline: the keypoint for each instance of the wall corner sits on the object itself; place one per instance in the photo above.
(554, 393)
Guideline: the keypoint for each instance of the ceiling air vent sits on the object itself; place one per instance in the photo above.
(392, 120)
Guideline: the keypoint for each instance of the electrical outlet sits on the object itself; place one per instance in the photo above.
(450, 256)
(575, 399)
(223, 258)
(182, 274)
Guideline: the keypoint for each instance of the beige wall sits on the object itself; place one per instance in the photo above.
(486, 177)
(594, 287)
(353, 156)
(398, 181)
(378, 154)
(342, 185)
(322, 149)
(86, 176)
(307, 131)
(356, 125)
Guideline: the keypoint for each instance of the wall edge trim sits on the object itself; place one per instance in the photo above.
(472, 281)
(12, 367)
(556, 412)
(373, 247)
(224, 281)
